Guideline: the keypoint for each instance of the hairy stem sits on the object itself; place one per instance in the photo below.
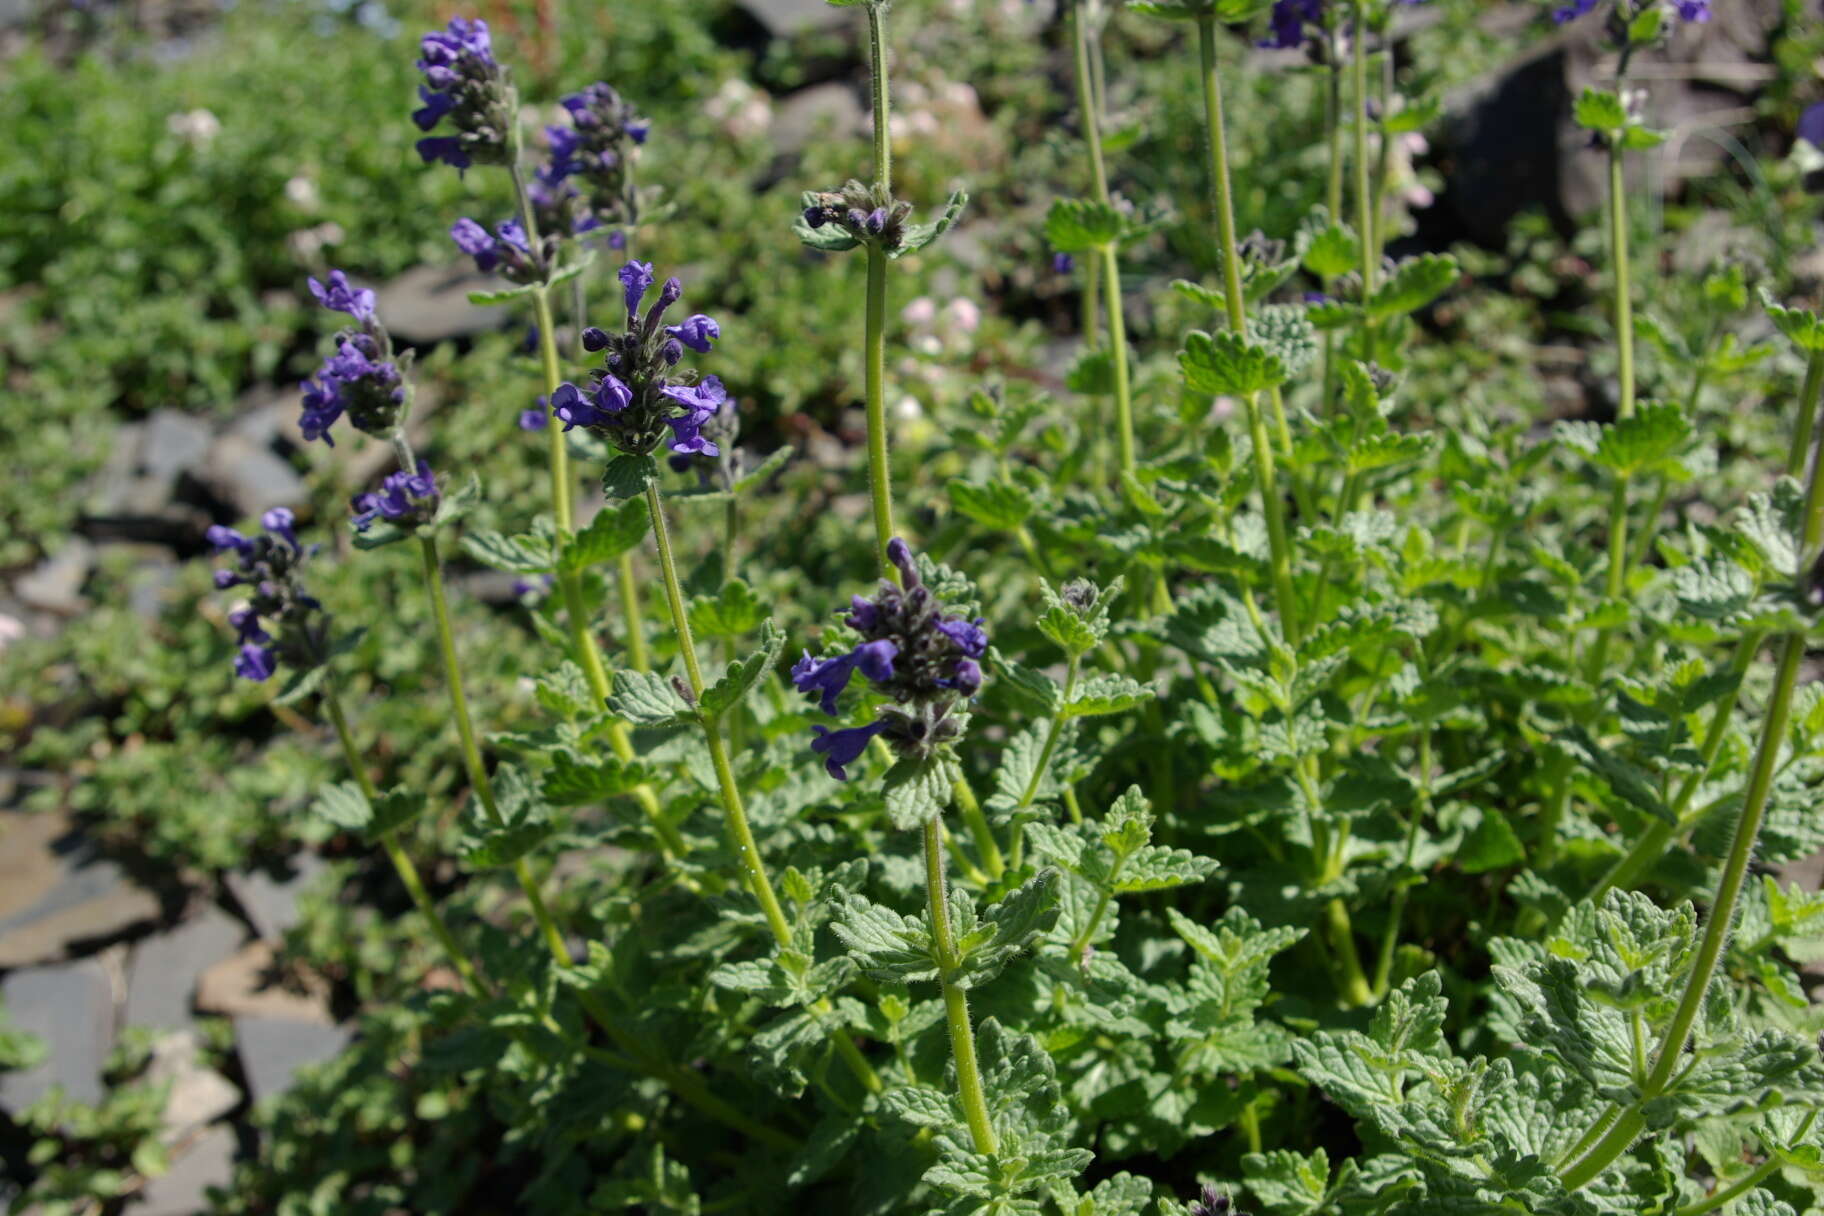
(1624, 409)
(1364, 198)
(956, 1002)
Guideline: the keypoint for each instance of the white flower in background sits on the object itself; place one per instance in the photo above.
(194, 126)
(301, 192)
(962, 316)
(741, 110)
(920, 312)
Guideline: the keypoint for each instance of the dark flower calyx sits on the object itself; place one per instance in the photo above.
(862, 211)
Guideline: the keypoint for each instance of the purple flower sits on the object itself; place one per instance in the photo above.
(635, 277)
(969, 636)
(701, 401)
(1693, 10)
(617, 240)
(464, 41)
(1572, 11)
(536, 419)
(280, 522)
(526, 587)
(339, 296)
(322, 406)
(968, 677)
(1287, 22)
(1063, 263)
(1811, 125)
(575, 408)
(474, 240)
(255, 662)
(864, 615)
(409, 498)
(697, 332)
(828, 677)
(445, 148)
(436, 105)
(840, 748)
(223, 537)
(247, 626)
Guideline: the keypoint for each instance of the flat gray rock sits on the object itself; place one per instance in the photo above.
(197, 1095)
(172, 443)
(55, 890)
(161, 979)
(787, 17)
(183, 1189)
(431, 304)
(273, 1049)
(249, 476)
(56, 584)
(72, 1009)
(272, 903)
(828, 111)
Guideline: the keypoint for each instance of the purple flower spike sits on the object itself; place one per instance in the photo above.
(1693, 10)
(536, 419)
(407, 498)
(1063, 263)
(841, 748)
(258, 663)
(1572, 11)
(697, 332)
(444, 148)
(474, 240)
(635, 277)
(339, 296)
(968, 678)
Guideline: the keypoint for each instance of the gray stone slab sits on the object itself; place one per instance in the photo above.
(250, 476)
(197, 1094)
(431, 304)
(72, 1009)
(183, 1189)
(272, 903)
(56, 584)
(787, 17)
(172, 443)
(821, 112)
(161, 980)
(273, 1049)
(55, 890)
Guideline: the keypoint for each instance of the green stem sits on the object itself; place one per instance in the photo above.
(879, 472)
(1808, 394)
(877, 61)
(402, 863)
(985, 844)
(1086, 103)
(1223, 196)
(1333, 131)
(956, 1002)
(1735, 869)
(1383, 965)
(1117, 353)
(471, 753)
(630, 612)
(1624, 410)
(1747, 1182)
(1354, 987)
(1364, 199)
(1382, 160)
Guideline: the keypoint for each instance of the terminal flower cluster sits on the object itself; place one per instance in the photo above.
(637, 393)
(863, 212)
(269, 565)
(926, 659)
(464, 84)
(361, 379)
(406, 499)
(588, 181)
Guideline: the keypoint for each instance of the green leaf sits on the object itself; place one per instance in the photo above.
(1080, 225)
(1628, 781)
(628, 476)
(1157, 868)
(1415, 283)
(919, 790)
(1107, 694)
(1293, 1184)
(997, 504)
(1802, 327)
(916, 236)
(646, 698)
(575, 781)
(730, 613)
(526, 553)
(398, 808)
(1226, 364)
(883, 943)
(1600, 110)
(1286, 332)
(300, 684)
(1333, 252)
(1008, 929)
(343, 806)
(453, 506)
(742, 674)
(565, 693)
(614, 530)
(1648, 441)
(1076, 630)
(524, 823)
(1491, 846)
(505, 295)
